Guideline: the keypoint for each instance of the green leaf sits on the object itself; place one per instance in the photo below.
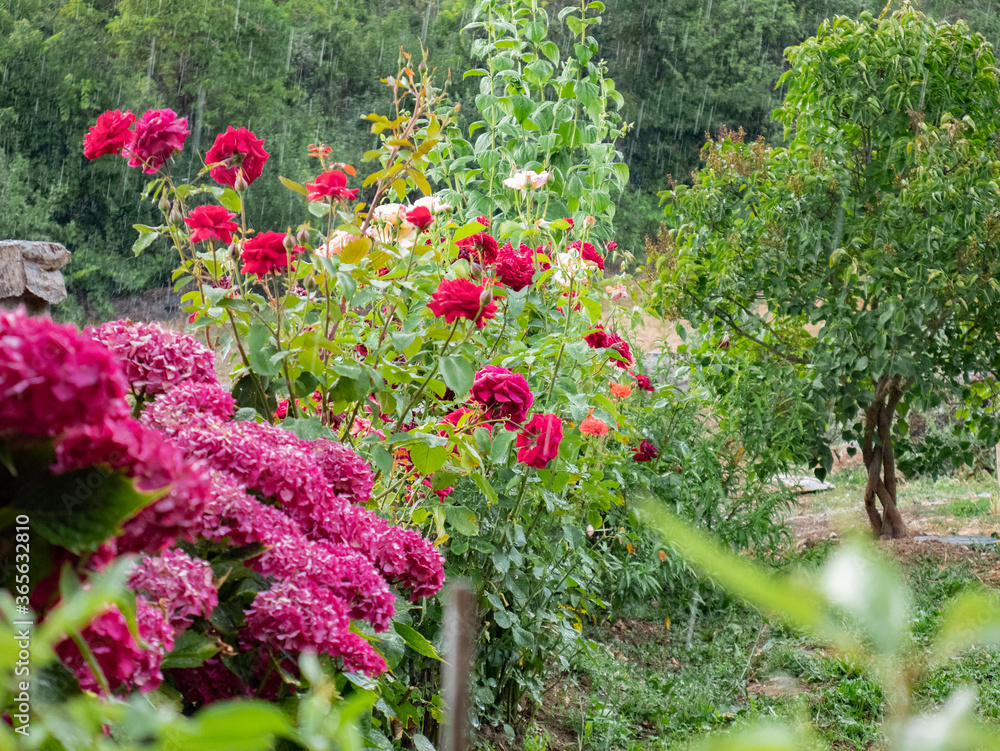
(428, 459)
(462, 519)
(190, 650)
(244, 725)
(458, 374)
(261, 351)
(415, 640)
(228, 198)
(501, 445)
(146, 237)
(249, 396)
(307, 428)
(292, 185)
(81, 509)
(484, 486)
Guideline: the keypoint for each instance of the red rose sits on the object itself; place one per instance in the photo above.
(110, 135)
(420, 217)
(235, 150)
(620, 346)
(504, 395)
(483, 221)
(589, 253)
(539, 441)
(330, 184)
(643, 381)
(266, 252)
(480, 247)
(211, 222)
(570, 221)
(460, 298)
(612, 245)
(515, 268)
(598, 338)
(158, 135)
(645, 452)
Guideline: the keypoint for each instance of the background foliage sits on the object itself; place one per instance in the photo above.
(302, 71)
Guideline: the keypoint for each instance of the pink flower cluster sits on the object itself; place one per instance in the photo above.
(180, 584)
(329, 558)
(125, 665)
(156, 358)
(230, 483)
(52, 379)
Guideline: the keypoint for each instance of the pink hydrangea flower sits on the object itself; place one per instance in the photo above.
(155, 358)
(53, 378)
(298, 616)
(179, 584)
(125, 664)
(346, 472)
(155, 464)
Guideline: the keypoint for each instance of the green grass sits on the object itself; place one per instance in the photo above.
(641, 689)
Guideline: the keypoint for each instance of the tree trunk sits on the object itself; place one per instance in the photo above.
(880, 462)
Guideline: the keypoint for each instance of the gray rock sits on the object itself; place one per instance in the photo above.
(804, 483)
(30, 274)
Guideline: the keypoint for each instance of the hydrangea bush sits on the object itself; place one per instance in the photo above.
(255, 546)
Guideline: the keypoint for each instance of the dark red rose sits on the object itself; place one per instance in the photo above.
(539, 441)
(612, 245)
(158, 135)
(598, 338)
(645, 452)
(110, 135)
(420, 217)
(515, 268)
(211, 222)
(589, 253)
(478, 247)
(265, 253)
(235, 150)
(570, 221)
(643, 382)
(460, 298)
(620, 346)
(483, 221)
(503, 394)
(330, 184)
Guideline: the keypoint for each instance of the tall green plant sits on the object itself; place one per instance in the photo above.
(876, 223)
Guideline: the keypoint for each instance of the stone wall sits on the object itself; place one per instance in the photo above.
(30, 274)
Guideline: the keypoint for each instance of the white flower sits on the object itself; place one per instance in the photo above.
(566, 267)
(527, 180)
(589, 221)
(389, 213)
(435, 204)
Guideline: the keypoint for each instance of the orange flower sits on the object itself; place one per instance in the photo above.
(593, 426)
(620, 390)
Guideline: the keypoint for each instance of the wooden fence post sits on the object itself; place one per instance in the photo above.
(456, 671)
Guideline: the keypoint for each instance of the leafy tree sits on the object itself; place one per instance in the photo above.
(876, 223)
